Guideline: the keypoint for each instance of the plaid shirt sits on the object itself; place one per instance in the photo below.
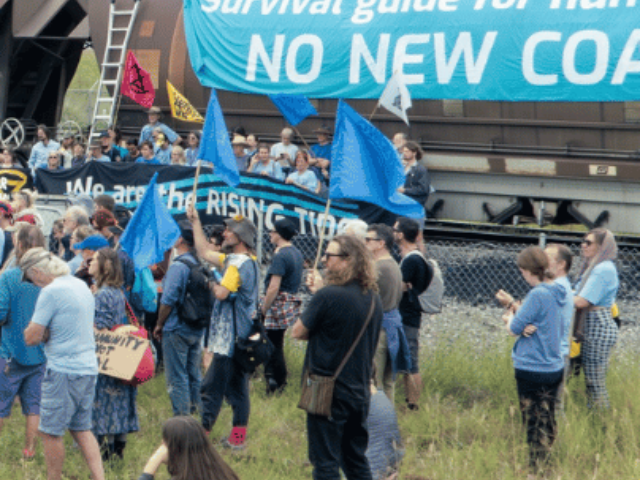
(284, 311)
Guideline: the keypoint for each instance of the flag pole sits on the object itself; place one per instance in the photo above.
(303, 141)
(321, 240)
(194, 194)
(374, 110)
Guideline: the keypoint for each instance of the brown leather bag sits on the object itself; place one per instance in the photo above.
(317, 390)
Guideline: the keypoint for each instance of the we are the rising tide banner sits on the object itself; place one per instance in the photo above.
(258, 198)
(514, 50)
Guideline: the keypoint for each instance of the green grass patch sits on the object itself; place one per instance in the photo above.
(469, 426)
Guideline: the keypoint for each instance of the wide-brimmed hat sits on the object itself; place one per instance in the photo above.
(155, 111)
(323, 130)
(239, 140)
(244, 229)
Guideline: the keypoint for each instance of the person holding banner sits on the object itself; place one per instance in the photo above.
(115, 411)
(262, 164)
(147, 151)
(239, 143)
(193, 142)
(303, 177)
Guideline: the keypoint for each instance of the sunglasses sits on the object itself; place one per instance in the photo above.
(328, 255)
(372, 239)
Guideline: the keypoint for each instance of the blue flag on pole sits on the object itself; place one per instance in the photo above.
(365, 166)
(215, 146)
(294, 108)
(152, 230)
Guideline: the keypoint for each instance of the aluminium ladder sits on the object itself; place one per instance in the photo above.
(121, 24)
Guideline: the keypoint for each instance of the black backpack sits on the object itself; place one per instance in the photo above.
(195, 310)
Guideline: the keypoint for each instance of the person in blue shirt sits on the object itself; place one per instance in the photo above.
(537, 356)
(147, 131)
(263, 164)
(321, 154)
(193, 142)
(146, 149)
(21, 367)
(595, 295)
(96, 155)
(303, 177)
(162, 147)
(40, 151)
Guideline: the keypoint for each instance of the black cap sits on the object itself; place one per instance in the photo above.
(186, 231)
(285, 228)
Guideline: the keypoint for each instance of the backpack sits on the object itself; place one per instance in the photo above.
(195, 309)
(431, 299)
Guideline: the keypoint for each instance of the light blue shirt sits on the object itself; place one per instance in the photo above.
(307, 180)
(102, 159)
(146, 134)
(567, 314)
(67, 307)
(164, 155)
(153, 161)
(2, 240)
(602, 285)
(272, 169)
(191, 154)
(40, 154)
(74, 263)
(17, 301)
(280, 148)
(539, 352)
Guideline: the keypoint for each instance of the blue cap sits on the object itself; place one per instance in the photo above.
(94, 242)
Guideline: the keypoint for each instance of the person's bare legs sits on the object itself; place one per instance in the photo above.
(53, 455)
(90, 451)
(31, 432)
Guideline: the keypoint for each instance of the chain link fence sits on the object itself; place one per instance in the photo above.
(474, 271)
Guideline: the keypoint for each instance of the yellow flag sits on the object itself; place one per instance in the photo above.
(180, 106)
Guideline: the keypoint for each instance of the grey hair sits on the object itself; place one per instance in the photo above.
(78, 214)
(45, 262)
(358, 228)
(287, 132)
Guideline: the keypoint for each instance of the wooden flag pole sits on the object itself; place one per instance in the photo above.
(303, 141)
(194, 194)
(321, 240)
(374, 111)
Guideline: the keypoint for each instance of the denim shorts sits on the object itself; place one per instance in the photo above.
(66, 403)
(20, 380)
(413, 339)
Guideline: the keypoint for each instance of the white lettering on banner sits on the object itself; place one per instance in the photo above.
(464, 45)
(298, 7)
(360, 50)
(626, 63)
(402, 58)
(271, 65)
(501, 4)
(589, 4)
(316, 60)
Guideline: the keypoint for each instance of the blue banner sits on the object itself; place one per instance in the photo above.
(514, 50)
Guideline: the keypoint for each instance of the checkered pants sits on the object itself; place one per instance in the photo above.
(601, 334)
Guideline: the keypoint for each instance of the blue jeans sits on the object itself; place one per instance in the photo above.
(182, 354)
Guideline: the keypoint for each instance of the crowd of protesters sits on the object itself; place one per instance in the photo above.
(363, 319)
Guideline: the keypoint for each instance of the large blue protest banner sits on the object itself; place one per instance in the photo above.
(514, 50)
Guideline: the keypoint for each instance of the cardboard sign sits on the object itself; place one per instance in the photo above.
(119, 354)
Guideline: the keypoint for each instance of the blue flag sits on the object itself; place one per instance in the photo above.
(294, 108)
(215, 146)
(365, 166)
(152, 230)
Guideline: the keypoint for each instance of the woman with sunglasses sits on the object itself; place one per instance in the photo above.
(537, 357)
(193, 143)
(114, 410)
(595, 294)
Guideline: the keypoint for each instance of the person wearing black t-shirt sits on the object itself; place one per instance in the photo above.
(416, 278)
(281, 303)
(331, 323)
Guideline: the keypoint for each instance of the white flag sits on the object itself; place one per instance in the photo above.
(396, 98)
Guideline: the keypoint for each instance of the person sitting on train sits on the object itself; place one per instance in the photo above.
(321, 154)
(66, 149)
(262, 164)
(252, 142)
(95, 153)
(285, 152)
(134, 151)
(399, 139)
(417, 185)
(239, 143)
(154, 122)
(79, 155)
(303, 177)
(54, 162)
(108, 148)
(162, 147)
(193, 142)
(40, 151)
(178, 156)
(146, 149)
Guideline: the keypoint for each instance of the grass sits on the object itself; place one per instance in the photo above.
(468, 426)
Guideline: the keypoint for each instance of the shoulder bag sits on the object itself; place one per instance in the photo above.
(317, 390)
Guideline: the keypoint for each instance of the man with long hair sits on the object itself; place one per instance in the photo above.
(331, 323)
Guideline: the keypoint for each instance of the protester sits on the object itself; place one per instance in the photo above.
(21, 367)
(595, 294)
(416, 185)
(114, 410)
(537, 358)
(104, 202)
(146, 133)
(181, 342)
(54, 162)
(215, 236)
(188, 454)
(6, 239)
(95, 153)
(133, 153)
(236, 305)
(384, 451)
(416, 278)
(40, 151)
(75, 216)
(79, 156)
(178, 156)
(55, 239)
(399, 141)
(78, 236)
(87, 249)
(63, 319)
(281, 303)
(102, 220)
(321, 154)
(109, 150)
(163, 147)
(303, 177)
(331, 323)
(393, 354)
(148, 158)
(252, 145)
(23, 201)
(285, 152)
(193, 141)
(355, 227)
(239, 143)
(116, 140)
(262, 164)
(66, 149)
